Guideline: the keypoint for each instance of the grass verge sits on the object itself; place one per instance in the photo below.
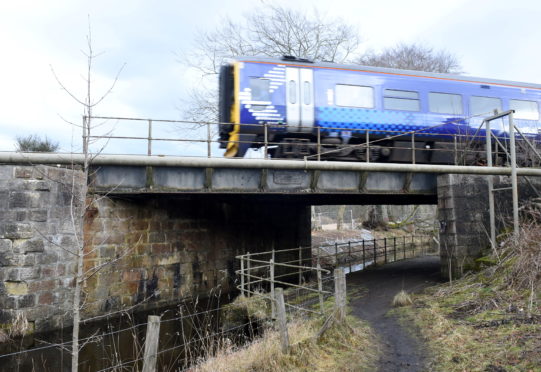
(346, 347)
(489, 321)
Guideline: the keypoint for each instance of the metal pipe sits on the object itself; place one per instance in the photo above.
(160, 161)
(149, 149)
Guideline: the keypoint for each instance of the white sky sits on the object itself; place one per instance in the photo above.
(492, 38)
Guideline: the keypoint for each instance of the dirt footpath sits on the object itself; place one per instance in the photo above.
(403, 351)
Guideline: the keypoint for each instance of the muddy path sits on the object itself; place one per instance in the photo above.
(402, 350)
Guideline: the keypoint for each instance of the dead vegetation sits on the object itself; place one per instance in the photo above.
(340, 348)
(489, 320)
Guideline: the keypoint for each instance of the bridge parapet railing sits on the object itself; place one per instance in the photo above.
(140, 136)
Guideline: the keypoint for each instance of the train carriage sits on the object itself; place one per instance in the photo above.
(303, 107)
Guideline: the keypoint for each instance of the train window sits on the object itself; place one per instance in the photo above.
(260, 89)
(307, 95)
(394, 99)
(354, 96)
(292, 86)
(484, 105)
(524, 109)
(445, 103)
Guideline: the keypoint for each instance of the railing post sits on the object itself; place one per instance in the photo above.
(273, 305)
(514, 183)
(242, 275)
(385, 248)
(375, 253)
(281, 317)
(149, 149)
(364, 257)
(335, 253)
(248, 274)
(300, 265)
(340, 293)
(320, 288)
(209, 142)
(151, 344)
(266, 148)
(413, 245)
(394, 247)
(367, 146)
(456, 150)
(413, 148)
(349, 254)
(404, 246)
(318, 143)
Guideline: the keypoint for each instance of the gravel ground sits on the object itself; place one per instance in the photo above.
(402, 350)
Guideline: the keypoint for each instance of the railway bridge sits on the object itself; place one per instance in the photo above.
(165, 228)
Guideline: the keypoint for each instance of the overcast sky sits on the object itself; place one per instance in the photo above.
(496, 39)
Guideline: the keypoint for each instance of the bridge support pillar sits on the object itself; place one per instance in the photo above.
(463, 214)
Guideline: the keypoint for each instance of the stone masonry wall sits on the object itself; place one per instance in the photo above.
(168, 249)
(463, 212)
(141, 252)
(36, 271)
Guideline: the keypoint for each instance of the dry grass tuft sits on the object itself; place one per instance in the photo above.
(19, 327)
(402, 298)
(341, 348)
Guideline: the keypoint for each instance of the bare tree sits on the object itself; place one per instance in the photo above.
(79, 193)
(270, 31)
(412, 57)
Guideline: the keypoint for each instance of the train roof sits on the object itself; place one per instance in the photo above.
(384, 70)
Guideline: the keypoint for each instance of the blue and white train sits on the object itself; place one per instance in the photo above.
(301, 101)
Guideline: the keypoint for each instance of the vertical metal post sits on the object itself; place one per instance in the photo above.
(385, 248)
(273, 304)
(335, 253)
(209, 141)
(248, 274)
(364, 257)
(242, 275)
(320, 288)
(394, 246)
(149, 139)
(367, 146)
(413, 148)
(349, 255)
(266, 148)
(413, 245)
(300, 265)
(375, 257)
(318, 143)
(404, 246)
(490, 182)
(514, 183)
(456, 149)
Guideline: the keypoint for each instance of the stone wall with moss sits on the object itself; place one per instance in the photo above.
(141, 251)
(36, 232)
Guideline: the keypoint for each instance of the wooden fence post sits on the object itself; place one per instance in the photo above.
(151, 344)
(340, 293)
(281, 317)
(320, 287)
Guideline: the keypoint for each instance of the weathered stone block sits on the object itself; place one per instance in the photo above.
(19, 230)
(24, 199)
(18, 274)
(38, 215)
(33, 245)
(23, 172)
(28, 300)
(16, 288)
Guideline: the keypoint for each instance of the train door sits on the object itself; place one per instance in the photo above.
(300, 99)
